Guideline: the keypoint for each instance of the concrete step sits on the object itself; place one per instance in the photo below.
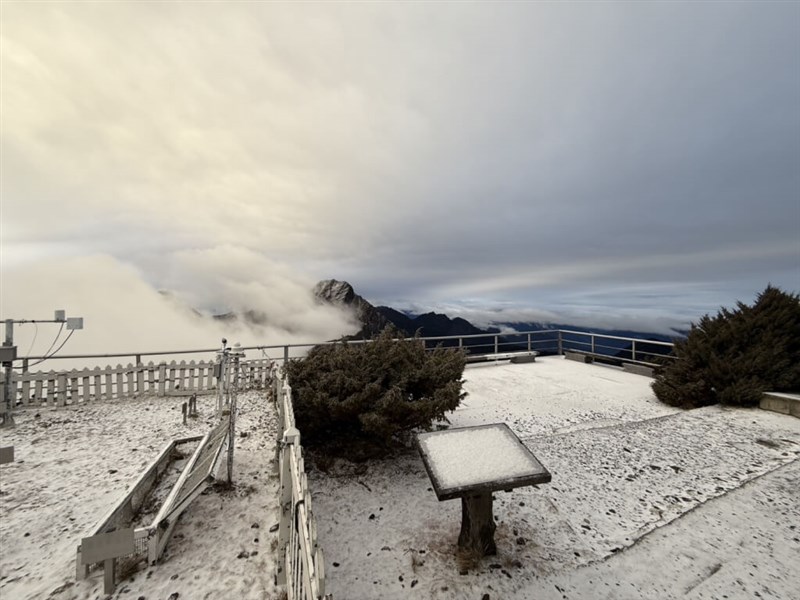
(788, 404)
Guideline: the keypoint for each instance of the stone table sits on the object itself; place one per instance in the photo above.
(472, 462)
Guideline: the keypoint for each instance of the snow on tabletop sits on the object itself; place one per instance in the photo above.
(474, 456)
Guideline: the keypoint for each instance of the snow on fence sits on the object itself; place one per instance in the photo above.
(161, 379)
(301, 566)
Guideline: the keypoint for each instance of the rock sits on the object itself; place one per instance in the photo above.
(372, 517)
(174, 596)
(520, 541)
(485, 597)
(256, 526)
(243, 554)
(335, 564)
(413, 583)
(274, 528)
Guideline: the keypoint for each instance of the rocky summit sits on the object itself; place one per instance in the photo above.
(341, 293)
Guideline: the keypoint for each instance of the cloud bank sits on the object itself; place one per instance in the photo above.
(537, 154)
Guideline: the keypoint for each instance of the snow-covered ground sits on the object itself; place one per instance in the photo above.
(73, 463)
(646, 501)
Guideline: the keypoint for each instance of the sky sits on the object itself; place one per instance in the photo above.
(612, 164)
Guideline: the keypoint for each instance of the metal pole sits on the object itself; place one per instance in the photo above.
(236, 354)
(560, 343)
(529, 342)
(8, 417)
(633, 351)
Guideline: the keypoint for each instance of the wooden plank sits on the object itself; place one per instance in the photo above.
(6, 455)
(104, 546)
(109, 384)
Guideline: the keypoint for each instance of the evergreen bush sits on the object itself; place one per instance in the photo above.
(737, 355)
(355, 398)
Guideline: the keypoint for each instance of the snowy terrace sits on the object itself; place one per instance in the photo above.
(645, 501)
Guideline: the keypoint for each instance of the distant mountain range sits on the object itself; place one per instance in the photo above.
(374, 319)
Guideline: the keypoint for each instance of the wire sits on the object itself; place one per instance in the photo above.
(35, 333)
(60, 329)
(54, 351)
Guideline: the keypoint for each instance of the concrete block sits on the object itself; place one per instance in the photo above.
(528, 358)
(584, 358)
(787, 404)
(639, 369)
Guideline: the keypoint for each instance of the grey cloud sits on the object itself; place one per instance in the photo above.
(434, 153)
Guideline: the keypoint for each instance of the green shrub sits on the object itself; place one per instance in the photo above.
(356, 396)
(737, 355)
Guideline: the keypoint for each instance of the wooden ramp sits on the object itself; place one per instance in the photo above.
(196, 476)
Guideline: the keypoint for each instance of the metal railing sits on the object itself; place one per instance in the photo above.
(549, 341)
(616, 348)
(301, 565)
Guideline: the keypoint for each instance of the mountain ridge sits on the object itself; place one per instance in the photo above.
(431, 324)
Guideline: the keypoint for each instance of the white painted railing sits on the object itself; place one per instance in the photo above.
(60, 388)
(301, 566)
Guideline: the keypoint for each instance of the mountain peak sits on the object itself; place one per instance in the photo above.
(341, 293)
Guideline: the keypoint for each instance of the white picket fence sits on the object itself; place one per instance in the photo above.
(301, 563)
(60, 388)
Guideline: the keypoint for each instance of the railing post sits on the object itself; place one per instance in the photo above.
(560, 343)
(495, 343)
(529, 342)
(633, 350)
(285, 355)
(592, 338)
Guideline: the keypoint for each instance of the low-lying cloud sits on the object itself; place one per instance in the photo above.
(123, 312)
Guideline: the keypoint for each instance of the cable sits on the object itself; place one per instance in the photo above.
(54, 352)
(60, 329)
(35, 333)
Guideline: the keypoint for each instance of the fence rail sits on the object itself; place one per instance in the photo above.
(109, 383)
(301, 563)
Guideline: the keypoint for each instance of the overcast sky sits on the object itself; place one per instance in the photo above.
(624, 162)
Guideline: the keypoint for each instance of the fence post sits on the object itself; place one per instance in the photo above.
(592, 338)
(495, 343)
(291, 439)
(560, 343)
(633, 350)
(285, 355)
(529, 342)
(139, 375)
(61, 389)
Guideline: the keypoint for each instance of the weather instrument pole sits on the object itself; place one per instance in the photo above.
(8, 354)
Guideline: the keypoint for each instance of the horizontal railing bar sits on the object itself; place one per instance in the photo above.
(505, 338)
(614, 337)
